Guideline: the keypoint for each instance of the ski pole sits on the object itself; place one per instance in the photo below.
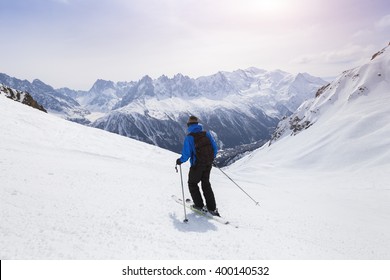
(257, 203)
(182, 191)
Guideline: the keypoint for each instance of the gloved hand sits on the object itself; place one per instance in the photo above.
(178, 161)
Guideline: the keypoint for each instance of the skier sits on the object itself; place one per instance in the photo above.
(200, 147)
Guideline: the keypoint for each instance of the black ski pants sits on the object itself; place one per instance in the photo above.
(201, 173)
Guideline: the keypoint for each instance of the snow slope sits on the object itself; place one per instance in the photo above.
(72, 192)
(332, 178)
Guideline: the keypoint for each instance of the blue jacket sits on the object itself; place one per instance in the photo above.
(188, 151)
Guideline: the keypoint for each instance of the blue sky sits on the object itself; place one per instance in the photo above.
(74, 42)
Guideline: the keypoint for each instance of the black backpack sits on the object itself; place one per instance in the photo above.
(203, 148)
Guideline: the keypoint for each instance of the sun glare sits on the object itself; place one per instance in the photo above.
(259, 7)
(269, 5)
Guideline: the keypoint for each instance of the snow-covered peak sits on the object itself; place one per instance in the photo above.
(102, 85)
(349, 117)
(39, 83)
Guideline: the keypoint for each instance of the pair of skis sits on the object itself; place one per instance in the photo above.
(188, 203)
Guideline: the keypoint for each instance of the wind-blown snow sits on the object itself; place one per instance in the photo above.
(72, 192)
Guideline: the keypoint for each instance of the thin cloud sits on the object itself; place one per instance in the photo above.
(384, 22)
(348, 54)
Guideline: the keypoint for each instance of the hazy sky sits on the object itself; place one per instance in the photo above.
(75, 42)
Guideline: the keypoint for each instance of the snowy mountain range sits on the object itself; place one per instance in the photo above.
(241, 108)
(69, 191)
(52, 100)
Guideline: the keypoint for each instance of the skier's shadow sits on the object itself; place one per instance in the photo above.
(195, 223)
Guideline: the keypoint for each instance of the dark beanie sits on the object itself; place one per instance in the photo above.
(192, 120)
